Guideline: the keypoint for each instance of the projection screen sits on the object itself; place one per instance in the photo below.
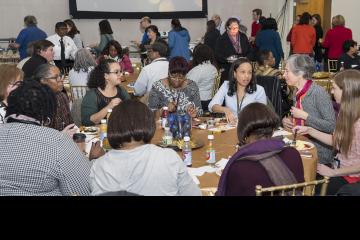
(134, 9)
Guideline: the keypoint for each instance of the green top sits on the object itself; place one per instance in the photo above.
(94, 101)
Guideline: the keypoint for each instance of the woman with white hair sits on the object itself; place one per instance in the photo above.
(83, 65)
(313, 105)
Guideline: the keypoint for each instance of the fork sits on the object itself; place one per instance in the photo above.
(294, 140)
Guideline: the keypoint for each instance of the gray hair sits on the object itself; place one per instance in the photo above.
(42, 71)
(30, 21)
(301, 65)
(83, 60)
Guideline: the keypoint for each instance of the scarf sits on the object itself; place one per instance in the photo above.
(236, 43)
(258, 147)
(299, 97)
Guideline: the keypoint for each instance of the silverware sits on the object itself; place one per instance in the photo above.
(293, 143)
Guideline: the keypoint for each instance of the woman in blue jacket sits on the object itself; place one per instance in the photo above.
(179, 39)
(269, 39)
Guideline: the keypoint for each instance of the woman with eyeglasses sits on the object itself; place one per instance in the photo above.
(231, 43)
(176, 92)
(50, 75)
(105, 92)
(10, 77)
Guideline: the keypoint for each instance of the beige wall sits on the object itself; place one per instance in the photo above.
(350, 10)
(48, 12)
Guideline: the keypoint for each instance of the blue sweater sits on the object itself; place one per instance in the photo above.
(28, 35)
(179, 44)
(270, 40)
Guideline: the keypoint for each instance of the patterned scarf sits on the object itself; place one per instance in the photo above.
(236, 43)
(299, 97)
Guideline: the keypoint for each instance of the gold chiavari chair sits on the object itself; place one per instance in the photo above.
(332, 65)
(298, 189)
(216, 83)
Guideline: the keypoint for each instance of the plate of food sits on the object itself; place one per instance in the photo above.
(177, 145)
(303, 145)
(320, 75)
(89, 130)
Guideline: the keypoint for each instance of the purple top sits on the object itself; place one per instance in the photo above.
(239, 178)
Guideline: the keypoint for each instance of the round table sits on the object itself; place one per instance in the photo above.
(225, 147)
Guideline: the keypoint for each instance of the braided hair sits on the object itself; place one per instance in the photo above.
(32, 99)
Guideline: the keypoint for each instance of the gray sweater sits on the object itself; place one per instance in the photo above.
(317, 104)
(146, 170)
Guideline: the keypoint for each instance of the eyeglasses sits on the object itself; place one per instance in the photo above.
(176, 76)
(16, 83)
(233, 28)
(58, 78)
(118, 72)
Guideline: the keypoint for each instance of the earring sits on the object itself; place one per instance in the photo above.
(47, 122)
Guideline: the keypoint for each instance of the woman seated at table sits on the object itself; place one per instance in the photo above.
(37, 160)
(313, 105)
(50, 75)
(134, 165)
(113, 50)
(176, 92)
(265, 64)
(261, 160)
(105, 92)
(10, 78)
(204, 72)
(84, 63)
(346, 137)
(238, 92)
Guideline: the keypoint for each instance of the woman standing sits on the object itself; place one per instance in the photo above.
(10, 78)
(316, 22)
(238, 92)
(211, 35)
(231, 43)
(105, 35)
(105, 92)
(179, 40)
(346, 137)
(74, 33)
(269, 39)
(303, 36)
(313, 105)
(335, 37)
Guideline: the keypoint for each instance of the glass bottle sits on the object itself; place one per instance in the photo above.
(342, 68)
(103, 129)
(167, 138)
(109, 111)
(187, 155)
(164, 117)
(210, 151)
(105, 143)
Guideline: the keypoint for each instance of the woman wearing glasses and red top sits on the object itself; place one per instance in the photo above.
(10, 77)
(176, 92)
(312, 106)
(105, 92)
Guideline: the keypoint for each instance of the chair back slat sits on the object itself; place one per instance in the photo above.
(294, 188)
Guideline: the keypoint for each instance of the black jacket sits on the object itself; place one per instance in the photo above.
(32, 64)
(211, 38)
(225, 49)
